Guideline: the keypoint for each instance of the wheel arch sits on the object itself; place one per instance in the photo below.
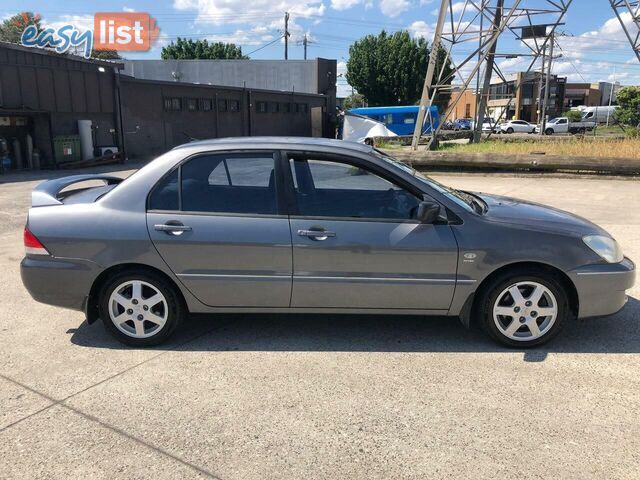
(92, 308)
(470, 310)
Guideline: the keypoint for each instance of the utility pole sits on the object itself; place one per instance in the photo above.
(488, 71)
(480, 38)
(428, 79)
(304, 42)
(539, 112)
(547, 84)
(611, 95)
(286, 35)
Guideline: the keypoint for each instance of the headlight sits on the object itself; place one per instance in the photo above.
(604, 246)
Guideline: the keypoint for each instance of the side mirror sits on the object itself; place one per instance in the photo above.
(428, 212)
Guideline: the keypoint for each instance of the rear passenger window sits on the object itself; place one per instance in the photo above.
(165, 194)
(241, 183)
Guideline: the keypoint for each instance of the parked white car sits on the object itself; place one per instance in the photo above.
(563, 125)
(517, 126)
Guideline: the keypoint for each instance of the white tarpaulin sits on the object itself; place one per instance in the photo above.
(358, 128)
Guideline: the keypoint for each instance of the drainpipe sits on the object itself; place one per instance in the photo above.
(118, 115)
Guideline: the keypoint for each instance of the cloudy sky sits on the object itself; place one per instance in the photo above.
(593, 46)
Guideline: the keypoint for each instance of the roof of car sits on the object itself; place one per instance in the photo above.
(266, 141)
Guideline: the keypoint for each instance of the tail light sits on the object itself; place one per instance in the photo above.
(32, 245)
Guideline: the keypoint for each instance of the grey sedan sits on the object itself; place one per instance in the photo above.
(310, 225)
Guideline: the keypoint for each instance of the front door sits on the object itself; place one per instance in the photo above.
(216, 222)
(356, 243)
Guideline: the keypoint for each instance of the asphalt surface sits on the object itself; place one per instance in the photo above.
(330, 397)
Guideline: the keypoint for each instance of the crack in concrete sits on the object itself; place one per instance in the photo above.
(77, 411)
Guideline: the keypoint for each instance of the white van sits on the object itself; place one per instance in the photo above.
(598, 114)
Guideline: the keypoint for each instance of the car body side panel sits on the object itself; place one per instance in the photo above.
(487, 246)
(89, 238)
(372, 264)
(229, 261)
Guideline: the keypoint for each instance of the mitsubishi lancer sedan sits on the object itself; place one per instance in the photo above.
(292, 225)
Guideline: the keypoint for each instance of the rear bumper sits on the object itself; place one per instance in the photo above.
(56, 281)
(602, 288)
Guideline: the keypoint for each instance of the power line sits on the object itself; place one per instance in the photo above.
(264, 46)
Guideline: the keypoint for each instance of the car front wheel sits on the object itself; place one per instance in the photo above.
(140, 309)
(525, 310)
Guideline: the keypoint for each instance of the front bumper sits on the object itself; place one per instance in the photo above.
(602, 288)
(58, 281)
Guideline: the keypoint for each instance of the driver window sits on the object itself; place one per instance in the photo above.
(327, 188)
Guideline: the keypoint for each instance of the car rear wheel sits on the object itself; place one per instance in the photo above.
(525, 310)
(140, 309)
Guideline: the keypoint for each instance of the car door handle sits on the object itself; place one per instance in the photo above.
(316, 234)
(172, 228)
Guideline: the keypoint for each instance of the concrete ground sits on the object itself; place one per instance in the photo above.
(265, 397)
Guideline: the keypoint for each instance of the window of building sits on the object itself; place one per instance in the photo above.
(234, 105)
(172, 104)
(207, 104)
(467, 110)
(261, 107)
(222, 105)
(192, 104)
(286, 107)
(336, 189)
(274, 107)
(228, 183)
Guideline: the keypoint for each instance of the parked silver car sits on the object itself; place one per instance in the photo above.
(310, 225)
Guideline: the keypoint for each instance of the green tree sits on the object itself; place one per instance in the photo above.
(188, 49)
(628, 111)
(354, 100)
(105, 54)
(573, 115)
(11, 29)
(389, 69)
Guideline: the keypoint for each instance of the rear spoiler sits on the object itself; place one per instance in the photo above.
(47, 192)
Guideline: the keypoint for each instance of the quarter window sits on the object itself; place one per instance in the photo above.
(337, 189)
(165, 195)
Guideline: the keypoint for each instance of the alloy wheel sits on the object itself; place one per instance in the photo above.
(138, 309)
(525, 311)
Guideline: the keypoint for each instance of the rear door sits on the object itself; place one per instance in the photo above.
(218, 222)
(356, 243)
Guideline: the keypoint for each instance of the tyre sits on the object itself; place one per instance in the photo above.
(140, 309)
(524, 310)
(548, 131)
(509, 130)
